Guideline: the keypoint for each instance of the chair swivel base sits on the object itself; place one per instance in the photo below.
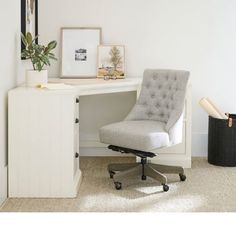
(155, 171)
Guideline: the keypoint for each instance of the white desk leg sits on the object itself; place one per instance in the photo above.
(138, 91)
(138, 159)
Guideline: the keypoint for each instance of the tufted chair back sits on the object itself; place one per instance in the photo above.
(162, 97)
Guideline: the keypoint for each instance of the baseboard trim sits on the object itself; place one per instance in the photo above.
(92, 147)
(78, 181)
(99, 152)
(199, 144)
(166, 159)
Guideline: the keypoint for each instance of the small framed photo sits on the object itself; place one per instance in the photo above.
(111, 61)
(79, 52)
(29, 18)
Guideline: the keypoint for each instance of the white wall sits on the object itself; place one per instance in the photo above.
(195, 35)
(9, 62)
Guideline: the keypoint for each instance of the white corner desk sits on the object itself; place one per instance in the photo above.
(43, 134)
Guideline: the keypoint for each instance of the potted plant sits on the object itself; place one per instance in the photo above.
(40, 56)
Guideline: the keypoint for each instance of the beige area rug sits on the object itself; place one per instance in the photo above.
(207, 188)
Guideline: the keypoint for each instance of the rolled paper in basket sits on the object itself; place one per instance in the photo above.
(222, 114)
(210, 109)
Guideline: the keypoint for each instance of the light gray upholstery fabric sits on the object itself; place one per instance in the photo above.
(162, 96)
(176, 131)
(142, 135)
(157, 118)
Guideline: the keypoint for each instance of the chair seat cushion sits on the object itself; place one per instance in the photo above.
(144, 135)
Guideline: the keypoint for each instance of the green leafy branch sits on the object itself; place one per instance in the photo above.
(39, 55)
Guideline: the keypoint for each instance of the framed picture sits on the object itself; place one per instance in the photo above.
(29, 18)
(79, 52)
(111, 61)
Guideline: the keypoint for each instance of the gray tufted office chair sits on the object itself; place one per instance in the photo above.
(155, 121)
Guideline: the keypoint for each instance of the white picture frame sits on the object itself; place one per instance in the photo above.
(79, 51)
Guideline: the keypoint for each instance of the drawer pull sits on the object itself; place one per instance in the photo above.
(77, 100)
(76, 155)
(76, 120)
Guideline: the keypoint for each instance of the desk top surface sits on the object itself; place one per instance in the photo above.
(88, 86)
(95, 81)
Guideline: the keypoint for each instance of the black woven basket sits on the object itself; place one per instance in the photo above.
(222, 141)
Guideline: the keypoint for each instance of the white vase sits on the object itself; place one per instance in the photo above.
(34, 77)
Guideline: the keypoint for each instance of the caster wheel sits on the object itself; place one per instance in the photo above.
(182, 177)
(144, 177)
(111, 174)
(118, 185)
(165, 187)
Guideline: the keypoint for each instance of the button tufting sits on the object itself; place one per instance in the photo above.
(155, 76)
(158, 98)
(149, 113)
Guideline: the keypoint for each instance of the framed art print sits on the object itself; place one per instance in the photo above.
(29, 18)
(79, 52)
(111, 61)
